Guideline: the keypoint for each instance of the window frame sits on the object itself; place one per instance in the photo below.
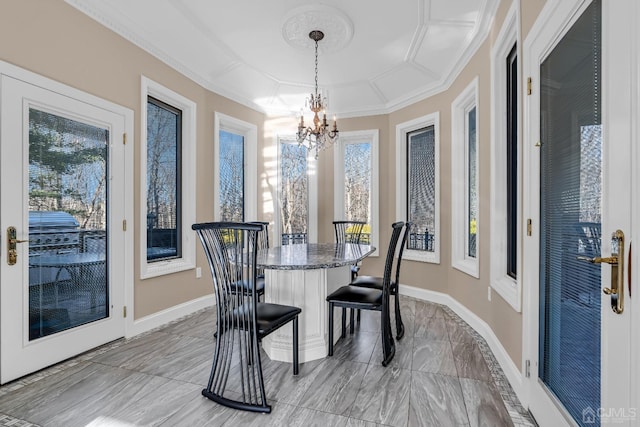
(186, 261)
(402, 130)
(460, 187)
(249, 132)
(357, 137)
(509, 288)
(312, 168)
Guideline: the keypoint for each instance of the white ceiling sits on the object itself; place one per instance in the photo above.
(377, 55)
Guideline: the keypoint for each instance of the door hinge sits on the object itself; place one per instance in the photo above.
(528, 85)
(529, 227)
(527, 369)
(124, 225)
(124, 311)
(124, 139)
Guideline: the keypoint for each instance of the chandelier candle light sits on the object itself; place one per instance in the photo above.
(319, 136)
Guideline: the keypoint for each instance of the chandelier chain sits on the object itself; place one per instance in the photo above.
(316, 67)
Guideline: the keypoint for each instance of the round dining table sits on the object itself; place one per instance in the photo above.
(303, 275)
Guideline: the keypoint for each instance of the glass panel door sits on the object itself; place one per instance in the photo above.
(68, 163)
(570, 214)
(62, 188)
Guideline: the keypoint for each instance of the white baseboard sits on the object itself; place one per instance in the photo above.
(510, 369)
(163, 317)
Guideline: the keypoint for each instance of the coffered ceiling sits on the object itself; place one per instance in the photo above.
(377, 55)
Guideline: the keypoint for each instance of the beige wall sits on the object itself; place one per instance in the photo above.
(53, 39)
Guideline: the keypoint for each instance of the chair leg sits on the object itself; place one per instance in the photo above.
(330, 329)
(388, 345)
(352, 320)
(295, 346)
(344, 322)
(399, 323)
(358, 315)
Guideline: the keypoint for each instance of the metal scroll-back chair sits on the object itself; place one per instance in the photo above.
(236, 377)
(356, 297)
(376, 283)
(349, 232)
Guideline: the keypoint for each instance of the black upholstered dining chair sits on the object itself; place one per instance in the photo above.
(349, 232)
(356, 297)
(376, 282)
(242, 321)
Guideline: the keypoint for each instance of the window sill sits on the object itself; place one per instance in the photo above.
(162, 268)
(421, 256)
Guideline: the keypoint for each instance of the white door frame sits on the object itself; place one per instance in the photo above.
(620, 116)
(121, 199)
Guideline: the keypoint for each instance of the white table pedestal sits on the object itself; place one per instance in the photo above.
(307, 289)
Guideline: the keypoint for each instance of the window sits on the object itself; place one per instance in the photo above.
(168, 133)
(297, 193)
(464, 181)
(505, 169)
(235, 169)
(356, 182)
(418, 185)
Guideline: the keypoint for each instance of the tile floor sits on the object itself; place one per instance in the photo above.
(443, 374)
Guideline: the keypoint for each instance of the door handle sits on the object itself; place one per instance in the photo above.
(12, 245)
(616, 260)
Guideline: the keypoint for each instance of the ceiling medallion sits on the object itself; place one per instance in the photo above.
(335, 24)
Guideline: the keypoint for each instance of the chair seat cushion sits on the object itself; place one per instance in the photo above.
(368, 282)
(356, 295)
(372, 282)
(270, 316)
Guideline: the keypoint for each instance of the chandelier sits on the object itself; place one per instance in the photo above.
(317, 137)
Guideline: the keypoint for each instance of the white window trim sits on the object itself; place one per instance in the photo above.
(312, 165)
(507, 287)
(402, 130)
(249, 132)
(188, 107)
(372, 137)
(460, 108)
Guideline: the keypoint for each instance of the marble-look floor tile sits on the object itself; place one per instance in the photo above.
(383, 396)
(369, 321)
(84, 389)
(403, 356)
(200, 411)
(469, 362)
(356, 347)
(485, 407)
(282, 386)
(336, 387)
(200, 325)
(140, 352)
(429, 309)
(287, 415)
(430, 327)
(190, 361)
(139, 399)
(458, 333)
(435, 356)
(436, 400)
(157, 377)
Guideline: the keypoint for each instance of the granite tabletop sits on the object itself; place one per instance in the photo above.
(310, 256)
